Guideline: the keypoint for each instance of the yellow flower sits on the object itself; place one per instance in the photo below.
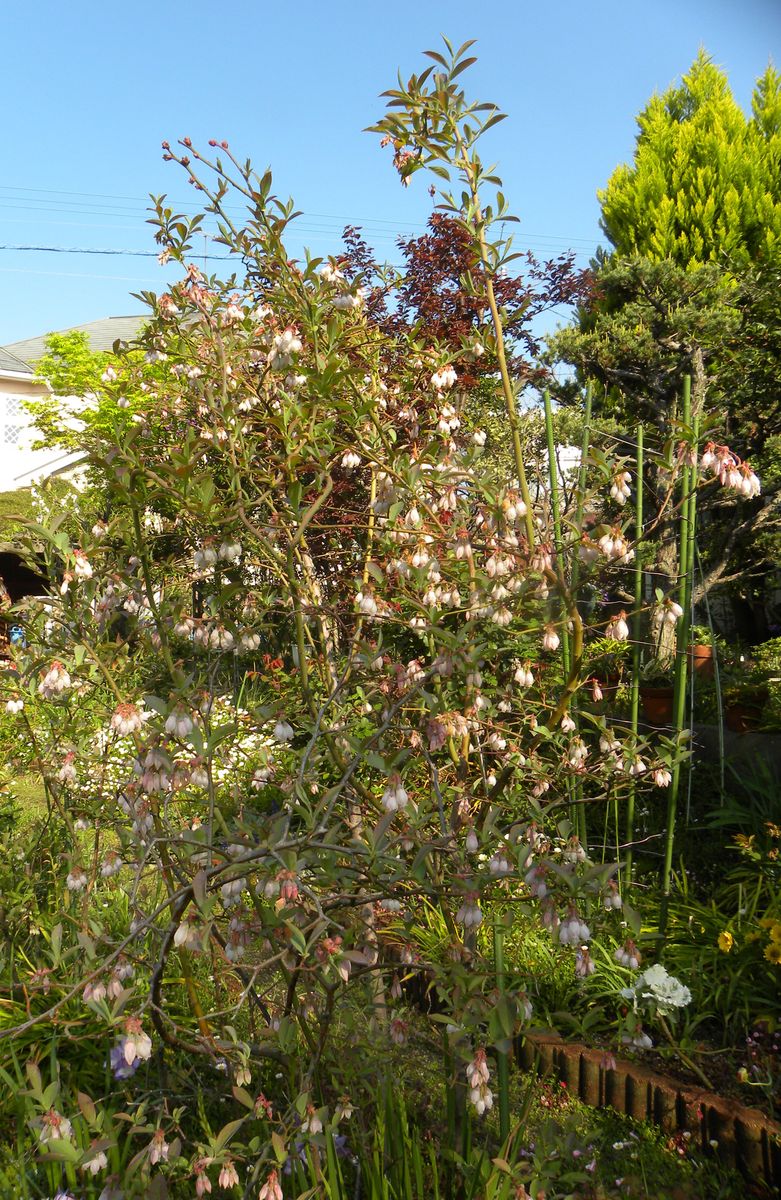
(773, 953)
(775, 933)
(726, 941)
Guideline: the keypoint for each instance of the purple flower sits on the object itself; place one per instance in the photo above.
(119, 1065)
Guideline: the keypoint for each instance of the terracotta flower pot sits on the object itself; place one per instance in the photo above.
(745, 713)
(657, 704)
(701, 660)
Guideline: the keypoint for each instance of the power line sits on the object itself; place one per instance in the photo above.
(131, 253)
(76, 275)
(86, 250)
(124, 210)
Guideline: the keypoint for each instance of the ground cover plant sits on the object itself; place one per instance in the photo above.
(310, 708)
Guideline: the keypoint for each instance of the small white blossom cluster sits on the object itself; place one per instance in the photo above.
(523, 675)
(613, 545)
(444, 379)
(469, 914)
(628, 955)
(284, 348)
(126, 720)
(637, 1040)
(731, 472)
(617, 627)
(671, 612)
(621, 490)
(348, 301)
(395, 797)
(54, 682)
(573, 931)
(478, 1078)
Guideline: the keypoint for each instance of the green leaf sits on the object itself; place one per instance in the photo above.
(226, 1133)
(242, 1095)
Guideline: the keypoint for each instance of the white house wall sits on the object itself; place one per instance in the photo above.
(20, 465)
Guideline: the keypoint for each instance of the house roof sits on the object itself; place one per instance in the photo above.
(9, 362)
(20, 356)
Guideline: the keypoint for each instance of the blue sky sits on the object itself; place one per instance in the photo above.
(89, 91)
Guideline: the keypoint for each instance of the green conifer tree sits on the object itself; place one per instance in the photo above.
(705, 183)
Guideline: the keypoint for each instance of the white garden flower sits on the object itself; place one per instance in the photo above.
(283, 732)
(478, 1077)
(230, 892)
(14, 706)
(573, 931)
(97, 1163)
(284, 348)
(628, 955)
(350, 300)
(617, 628)
(584, 964)
(205, 557)
(230, 552)
(111, 864)
(395, 797)
(189, 935)
(54, 1127)
(664, 991)
(366, 604)
(550, 639)
(137, 1044)
(82, 567)
(443, 379)
(312, 1122)
(469, 914)
(621, 490)
(499, 864)
(220, 638)
(179, 723)
(672, 612)
(54, 682)
(158, 1148)
(126, 720)
(330, 274)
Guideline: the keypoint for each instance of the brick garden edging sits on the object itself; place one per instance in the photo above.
(747, 1139)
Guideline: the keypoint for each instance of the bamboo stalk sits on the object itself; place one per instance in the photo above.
(558, 542)
(585, 444)
(688, 488)
(636, 629)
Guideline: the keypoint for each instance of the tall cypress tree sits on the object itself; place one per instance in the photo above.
(705, 183)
